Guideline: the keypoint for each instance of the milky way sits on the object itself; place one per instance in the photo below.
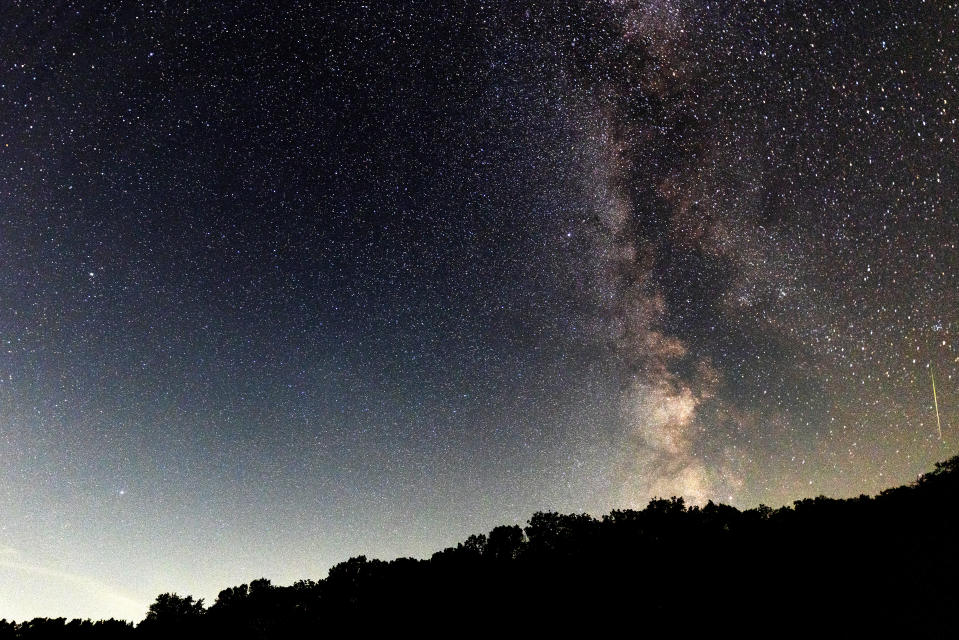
(774, 233)
(283, 285)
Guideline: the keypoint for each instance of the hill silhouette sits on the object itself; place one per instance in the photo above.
(887, 562)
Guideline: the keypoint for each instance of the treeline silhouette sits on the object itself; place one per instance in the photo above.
(887, 563)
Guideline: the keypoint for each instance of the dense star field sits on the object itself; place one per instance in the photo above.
(286, 284)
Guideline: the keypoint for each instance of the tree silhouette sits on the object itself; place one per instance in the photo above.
(887, 562)
(172, 614)
(504, 542)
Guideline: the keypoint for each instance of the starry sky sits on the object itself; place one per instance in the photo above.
(284, 283)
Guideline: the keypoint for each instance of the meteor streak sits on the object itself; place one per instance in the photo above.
(935, 401)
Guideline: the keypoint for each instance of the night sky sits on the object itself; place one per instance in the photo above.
(286, 285)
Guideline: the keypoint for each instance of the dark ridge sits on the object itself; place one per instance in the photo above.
(886, 563)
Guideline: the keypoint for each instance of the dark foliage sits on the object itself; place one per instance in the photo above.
(886, 563)
(41, 628)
